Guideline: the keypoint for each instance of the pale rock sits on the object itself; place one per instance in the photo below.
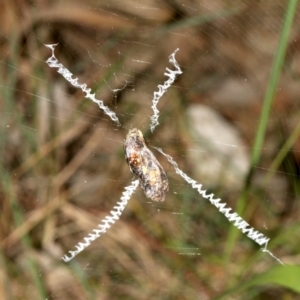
(218, 154)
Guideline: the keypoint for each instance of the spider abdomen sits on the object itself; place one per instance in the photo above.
(145, 166)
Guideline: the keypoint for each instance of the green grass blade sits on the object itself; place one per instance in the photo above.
(284, 276)
(264, 117)
(26, 241)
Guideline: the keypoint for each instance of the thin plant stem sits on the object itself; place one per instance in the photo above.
(25, 240)
(264, 117)
(282, 154)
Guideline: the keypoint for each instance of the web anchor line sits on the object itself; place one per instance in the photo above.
(54, 63)
(233, 217)
(105, 224)
(163, 88)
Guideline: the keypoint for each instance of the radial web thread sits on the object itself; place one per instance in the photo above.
(163, 88)
(233, 217)
(105, 224)
(54, 63)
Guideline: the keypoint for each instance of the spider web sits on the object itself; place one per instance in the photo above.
(63, 162)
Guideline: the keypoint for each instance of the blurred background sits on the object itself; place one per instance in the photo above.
(230, 121)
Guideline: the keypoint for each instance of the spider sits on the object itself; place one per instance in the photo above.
(145, 166)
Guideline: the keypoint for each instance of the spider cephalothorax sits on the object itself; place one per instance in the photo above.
(145, 166)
